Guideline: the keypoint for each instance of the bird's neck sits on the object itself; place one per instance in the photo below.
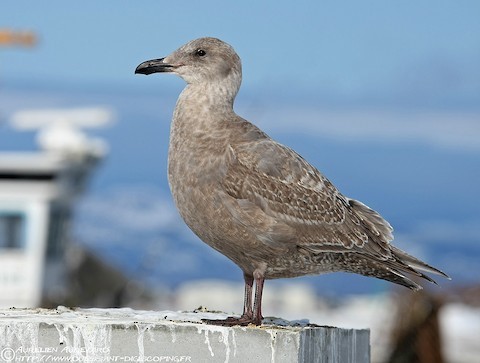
(196, 130)
(214, 96)
(199, 106)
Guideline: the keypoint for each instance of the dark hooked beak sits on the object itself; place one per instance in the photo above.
(153, 66)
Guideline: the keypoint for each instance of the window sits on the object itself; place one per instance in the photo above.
(12, 230)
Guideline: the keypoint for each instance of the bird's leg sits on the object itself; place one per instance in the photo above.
(257, 307)
(247, 301)
(247, 316)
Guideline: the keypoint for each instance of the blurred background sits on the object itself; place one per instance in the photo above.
(383, 97)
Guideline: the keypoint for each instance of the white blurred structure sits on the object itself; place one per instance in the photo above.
(60, 129)
(37, 191)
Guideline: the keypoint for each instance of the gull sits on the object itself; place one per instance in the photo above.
(256, 201)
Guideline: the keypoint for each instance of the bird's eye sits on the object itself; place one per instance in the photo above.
(200, 52)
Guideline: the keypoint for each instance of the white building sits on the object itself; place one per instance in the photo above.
(37, 192)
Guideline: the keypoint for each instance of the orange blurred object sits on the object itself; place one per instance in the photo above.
(25, 38)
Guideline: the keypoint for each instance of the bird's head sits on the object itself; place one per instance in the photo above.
(200, 61)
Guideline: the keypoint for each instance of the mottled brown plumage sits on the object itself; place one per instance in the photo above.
(256, 201)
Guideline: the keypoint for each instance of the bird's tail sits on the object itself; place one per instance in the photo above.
(415, 263)
(397, 269)
(401, 265)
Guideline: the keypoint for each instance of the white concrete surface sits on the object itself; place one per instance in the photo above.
(126, 335)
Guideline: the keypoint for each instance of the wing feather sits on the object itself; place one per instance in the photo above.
(287, 188)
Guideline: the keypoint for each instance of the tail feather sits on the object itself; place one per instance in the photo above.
(397, 268)
(400, 279)
(400, 266)
(389, 273)
(415, 263)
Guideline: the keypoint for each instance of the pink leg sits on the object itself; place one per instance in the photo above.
(247, 300)
(249, 316)
(257, 307)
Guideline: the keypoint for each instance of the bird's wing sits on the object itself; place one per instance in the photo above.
(265, 175)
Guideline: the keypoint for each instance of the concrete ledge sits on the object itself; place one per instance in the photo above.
(126, 335)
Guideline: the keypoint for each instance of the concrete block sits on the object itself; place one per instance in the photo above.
(126, 335)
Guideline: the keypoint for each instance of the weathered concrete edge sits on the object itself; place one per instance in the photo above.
(106, 333)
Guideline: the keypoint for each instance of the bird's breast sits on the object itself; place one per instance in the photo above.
(196, 165)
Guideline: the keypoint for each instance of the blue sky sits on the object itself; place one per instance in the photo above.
(347, 48)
